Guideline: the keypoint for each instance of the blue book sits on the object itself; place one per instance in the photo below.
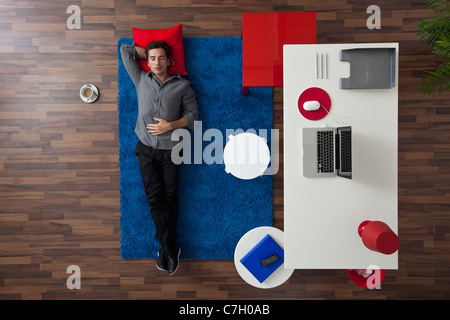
(266, 248)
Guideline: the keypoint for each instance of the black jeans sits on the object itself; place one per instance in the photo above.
(160, 177)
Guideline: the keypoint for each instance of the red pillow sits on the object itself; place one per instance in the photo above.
(173, 36)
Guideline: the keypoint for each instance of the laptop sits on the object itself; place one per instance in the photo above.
(327, 152)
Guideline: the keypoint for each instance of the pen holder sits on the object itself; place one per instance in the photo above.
(377, 236)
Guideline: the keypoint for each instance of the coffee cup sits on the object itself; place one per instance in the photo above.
(88, 93)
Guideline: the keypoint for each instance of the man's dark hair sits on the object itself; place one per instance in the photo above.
(159, 44)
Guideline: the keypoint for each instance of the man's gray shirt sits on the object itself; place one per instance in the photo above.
(170, 101)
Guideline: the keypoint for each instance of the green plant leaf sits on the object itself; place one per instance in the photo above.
(436, 33)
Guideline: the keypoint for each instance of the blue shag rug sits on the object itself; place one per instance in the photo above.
(216, 208)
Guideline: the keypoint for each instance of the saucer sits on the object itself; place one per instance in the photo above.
(91, 99)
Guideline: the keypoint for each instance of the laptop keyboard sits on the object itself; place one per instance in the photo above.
(325, 152)
(346, 151)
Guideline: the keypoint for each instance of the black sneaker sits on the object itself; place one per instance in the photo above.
(173, 259)
(161, 264)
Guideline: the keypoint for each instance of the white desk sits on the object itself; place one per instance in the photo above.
(322, 215)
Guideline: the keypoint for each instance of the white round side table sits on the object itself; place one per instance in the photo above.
(246, 243)
(246, 156)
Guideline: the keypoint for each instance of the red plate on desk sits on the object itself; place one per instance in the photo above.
(315, 94)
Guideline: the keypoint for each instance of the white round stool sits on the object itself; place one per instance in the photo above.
(246, 243)
(246, 156)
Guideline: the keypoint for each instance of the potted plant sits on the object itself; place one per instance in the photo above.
(436, 33)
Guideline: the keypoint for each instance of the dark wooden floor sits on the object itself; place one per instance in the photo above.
(59, 173)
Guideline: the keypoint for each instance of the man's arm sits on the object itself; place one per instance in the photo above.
(190, 106)
(163, 126)
(129, 55)
(140, 52)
